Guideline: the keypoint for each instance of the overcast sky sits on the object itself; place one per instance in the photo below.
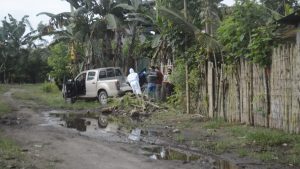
(19, 8)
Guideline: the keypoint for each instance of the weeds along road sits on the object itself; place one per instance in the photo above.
(50, 146)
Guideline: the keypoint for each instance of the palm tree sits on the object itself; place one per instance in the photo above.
(210, 15)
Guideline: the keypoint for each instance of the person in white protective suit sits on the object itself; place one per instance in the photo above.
(133, 79)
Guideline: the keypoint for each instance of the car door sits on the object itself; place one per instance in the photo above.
(80, 84)
(91, 84)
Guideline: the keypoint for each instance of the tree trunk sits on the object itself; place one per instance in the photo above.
(186, 69)
(187, 88)
(130, 61)
(118, 51)
(237, 84)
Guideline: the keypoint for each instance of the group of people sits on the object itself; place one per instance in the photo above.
(157, 83)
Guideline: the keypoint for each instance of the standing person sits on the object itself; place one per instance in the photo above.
(169, 85)
(159, 80)
(143, 79)
(151, 79)
(133, 79)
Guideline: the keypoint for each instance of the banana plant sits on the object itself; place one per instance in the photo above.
(14, 46)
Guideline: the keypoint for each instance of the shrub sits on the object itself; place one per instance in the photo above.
(49, 88)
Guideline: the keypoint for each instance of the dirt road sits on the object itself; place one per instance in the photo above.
(52, 146)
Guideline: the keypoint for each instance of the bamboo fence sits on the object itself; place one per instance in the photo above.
(259, 96)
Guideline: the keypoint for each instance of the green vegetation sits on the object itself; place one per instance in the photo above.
(179, 137)
(4, 107)
(261, 143)
(215, 124)
(242, 152)
(47, 94)
(19, 64)
(270, 138)
(10, 154)
(49, 88)
(248, 32)
(59, 62)
(264, 155)
(3, 88)
(8, 149)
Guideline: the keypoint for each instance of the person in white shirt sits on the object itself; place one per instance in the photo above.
(133, 79)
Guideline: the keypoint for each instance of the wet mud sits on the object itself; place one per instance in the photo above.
(89, 126)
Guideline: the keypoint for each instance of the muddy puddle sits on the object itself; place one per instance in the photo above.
(80, 122)
(168, 153)
(86, 124)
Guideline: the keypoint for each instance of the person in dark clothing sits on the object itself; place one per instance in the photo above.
(142, 76)
(159, 80)
(151, 79)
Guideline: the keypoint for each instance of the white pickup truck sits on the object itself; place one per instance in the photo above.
(96, 83)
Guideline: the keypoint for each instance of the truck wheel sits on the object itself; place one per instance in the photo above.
(102, 97)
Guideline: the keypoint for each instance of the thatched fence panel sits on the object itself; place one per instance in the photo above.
(230, 98)
(260, 97)
(285, 89)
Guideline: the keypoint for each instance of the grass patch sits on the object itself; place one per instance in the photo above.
(3, 88)
(272, 145)
(179, 138)
(264, 156)
(222, 146)
(293, 159)
(269, 137)
(293, 155)
(4, 108)
(8, 149)
(216, 124)
(218, 147)
(238, 131)
(49, 88)
(243, 152)
(49, 95)
(10, 154)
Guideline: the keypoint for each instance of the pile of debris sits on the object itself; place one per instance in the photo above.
(129, 106)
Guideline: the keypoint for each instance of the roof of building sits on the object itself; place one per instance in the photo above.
(292, 19)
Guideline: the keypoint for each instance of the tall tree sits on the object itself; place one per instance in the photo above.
(93, 24)
(14, 48)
